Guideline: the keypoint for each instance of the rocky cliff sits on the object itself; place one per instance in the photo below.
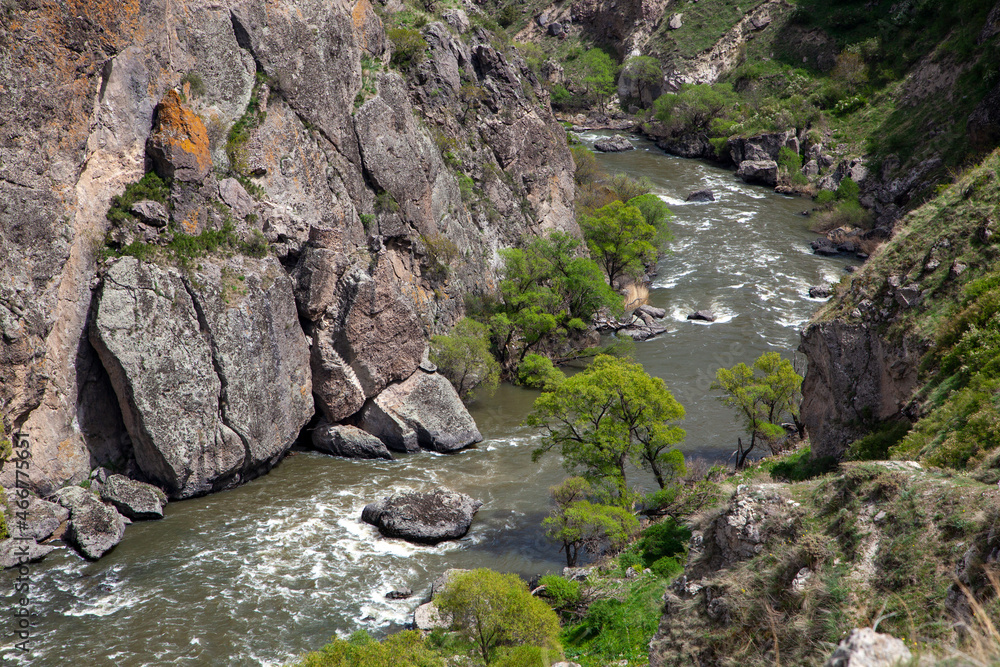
(324, 213)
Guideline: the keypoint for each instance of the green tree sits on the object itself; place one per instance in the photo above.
(408, 47)
(692, 108)
(494, 610)
(538, 372)
(578, 523)
(464, 358)
(599, 72)
(647, 73)
(762, 395)
(405, 649)
(620, 240)
(608, 415)
(654, 210)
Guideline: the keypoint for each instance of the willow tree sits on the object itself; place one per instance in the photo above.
(607, 416)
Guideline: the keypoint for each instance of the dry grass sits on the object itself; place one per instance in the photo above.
(981, 641)
(635, 296)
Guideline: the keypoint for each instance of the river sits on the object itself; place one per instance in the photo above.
(259, 574)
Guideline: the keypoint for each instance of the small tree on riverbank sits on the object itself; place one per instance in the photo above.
(761, 394)
(577, 523)
(607, 416)
(464, 358)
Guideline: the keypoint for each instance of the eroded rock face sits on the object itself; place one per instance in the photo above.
(133, 499)
(211, 373)
(853, 375)
(426, 518)
(423, 411)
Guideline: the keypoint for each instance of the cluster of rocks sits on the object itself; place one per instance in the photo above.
(641, 324)
(844, 241)
(91, 520)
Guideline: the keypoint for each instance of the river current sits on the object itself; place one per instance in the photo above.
(262, 573)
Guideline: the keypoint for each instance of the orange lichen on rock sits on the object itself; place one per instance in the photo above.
(178, 145)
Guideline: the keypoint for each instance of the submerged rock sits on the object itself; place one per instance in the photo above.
(701, 196)
(348, 441)
(133, 499)
(615, 144)
(425, 517)
(819, 292)
(702, 316)
(422, 411)
(866, 648)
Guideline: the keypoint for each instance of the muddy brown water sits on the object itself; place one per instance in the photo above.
(259, 574)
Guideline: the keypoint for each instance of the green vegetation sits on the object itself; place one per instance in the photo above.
(609, 415)
(409, 47)
(239, 134)
(495, 610)
(464, 358)
(538, 372)
(194, 83)
(6, 453)
(577, 523)
(406, 649)
(761, 395)
(150, 187)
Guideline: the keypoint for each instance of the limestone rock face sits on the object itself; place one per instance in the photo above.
(133, 499)
(178, 145)
(866, 648)
(426, 518)
(423, 411)
(211, 373)
(852, 371)
(743, 530)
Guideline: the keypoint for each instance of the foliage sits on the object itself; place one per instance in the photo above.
(661, 548)
(6, 452)
(587, 169)
(615, 629)
(494, 610)
(876, 445)
(645, 71)
(655, 212)
(408, 47)
(577, 523)
(762, 395)
(464, 358)
(563, 594)
(599, 72)
(801, 465)
(791, 163)
(150, 186)
(620, 239)
(690, 110)
(182, 248)
(538, 372)
(196, 85)
(609, 415)
(405, 649)
(239, 133)
(442, 251)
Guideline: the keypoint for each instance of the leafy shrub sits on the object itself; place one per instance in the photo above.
(825, 197)
(406, 649)
(667, 567)
(409, 47)
(464, 358)
(696, 105)
(195, 83)
(538, 372)
(800, 466)
(661, 540)
(791, 162)
(614, 629)
(876, 445)
(508, 16)
(150, 186)
(561, 593)
(848, 190)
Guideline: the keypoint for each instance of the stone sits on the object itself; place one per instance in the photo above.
(442, 581)
(866, 648)
(400, 594)
(824, 246)
(908, 296)
(18, 552)
(211, 369)
(741, 532)
(151, 212)
(652, 311)
(641, 333)
(236, 197)
(41, 518)
(564, 663)
(701, 196)
(457, 19)
(801, 580)
(134, 499)
(178, 145)
(759, 172)
(577, 573)
(95, 529)
(425, 517)
(702, 316)
(556, 30)
(422, 411)
(348, 441)
(819, 292)
(428, 617)
(615, 144)
(675, 22)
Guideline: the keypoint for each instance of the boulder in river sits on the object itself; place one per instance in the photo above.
(41, 518)
(819, 292)
(824, 246)
(422, 411)
(701, 196)
(702, 316)
(134, 499)
(760, 172)
(652, 311)
(348, 441)
(426, 517)
(94, 528)
(18, 552)
(615, 144)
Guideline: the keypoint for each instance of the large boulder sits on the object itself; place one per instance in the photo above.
(348, 441)
(134, 499)
(37, 519)
(425, 517)
(615, 144)
(866, 648)
(701, 196)
(179, 145)
(422, 411)
(95, 528)
(759, 172)
(211, 370)
(18, 552)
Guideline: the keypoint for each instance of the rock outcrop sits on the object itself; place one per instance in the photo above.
(20, 552)
(423, 517)
(38, 520)
(178, 145)
(423, 411)
(211, 371)
(855, 379)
